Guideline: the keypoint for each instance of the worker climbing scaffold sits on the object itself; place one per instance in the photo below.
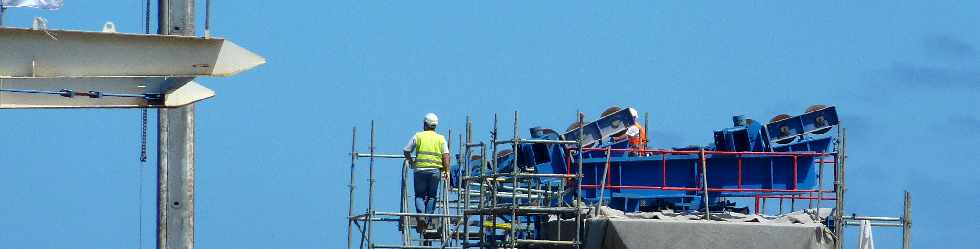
(432, 216)
(430, 163)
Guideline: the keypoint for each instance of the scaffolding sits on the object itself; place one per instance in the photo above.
(488, 210)
(523, 208)
(364, 222)
(520, 197)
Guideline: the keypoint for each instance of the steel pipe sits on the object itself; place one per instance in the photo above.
(350, 186)
(413, 247)
(535, 141)
(417, 215)
(368, 155)
(875, 224)
(872, 218)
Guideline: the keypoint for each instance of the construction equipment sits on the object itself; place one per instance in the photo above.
(538, 193)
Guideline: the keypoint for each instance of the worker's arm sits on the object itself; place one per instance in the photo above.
(408, 152)
(408, 158)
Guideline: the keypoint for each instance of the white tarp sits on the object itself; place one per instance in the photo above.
(41, 4)
(866, 241)
(617, 230)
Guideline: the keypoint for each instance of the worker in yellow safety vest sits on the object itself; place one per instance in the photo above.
(430, 162)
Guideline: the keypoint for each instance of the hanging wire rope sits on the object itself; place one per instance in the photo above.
(143, 130)
(143, 111)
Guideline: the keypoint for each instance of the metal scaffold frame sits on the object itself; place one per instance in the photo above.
(495, 209)
(364, 222)
(526, 199)
(523, 186)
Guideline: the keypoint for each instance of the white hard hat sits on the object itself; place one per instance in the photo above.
(431, 119)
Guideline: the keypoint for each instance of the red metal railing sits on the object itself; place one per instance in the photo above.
(796, 191)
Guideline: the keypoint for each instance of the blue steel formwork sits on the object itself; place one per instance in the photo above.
(743, 161)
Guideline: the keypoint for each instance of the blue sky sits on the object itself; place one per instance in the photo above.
(272, 169)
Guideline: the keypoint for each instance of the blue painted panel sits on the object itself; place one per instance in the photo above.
(597, 132)
(812, 122)
(758, 172)
(808, 133)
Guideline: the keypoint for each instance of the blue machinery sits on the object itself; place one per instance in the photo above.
(750, 159)
(525, 195)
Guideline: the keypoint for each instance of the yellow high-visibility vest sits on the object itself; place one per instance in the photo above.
(428, 150)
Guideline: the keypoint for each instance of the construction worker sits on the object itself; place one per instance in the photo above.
(429, 163)
(636, 134)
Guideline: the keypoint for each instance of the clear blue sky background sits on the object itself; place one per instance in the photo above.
(272, 169)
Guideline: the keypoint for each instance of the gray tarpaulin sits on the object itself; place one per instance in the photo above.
(616, 230)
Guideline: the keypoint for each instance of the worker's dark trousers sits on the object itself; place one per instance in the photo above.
(426, 190)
